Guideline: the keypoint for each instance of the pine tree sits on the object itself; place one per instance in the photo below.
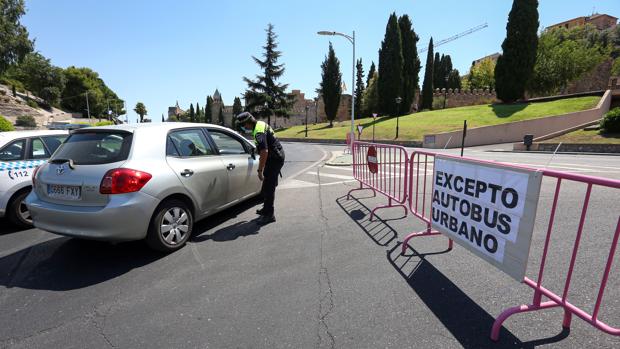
(411, 62)
(516, 64)
(331, 84)
(370, 102)
(359, 88)
(427, 85)
(198, 113)
(192, 114)
(371, 73)
(390, 68)
(264, 96)
(209, 110)
(162, 118)
(447, 68)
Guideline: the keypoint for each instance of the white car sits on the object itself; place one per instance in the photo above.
(20, 153)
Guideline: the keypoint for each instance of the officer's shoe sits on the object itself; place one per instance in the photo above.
(260, 211)
(264, 220)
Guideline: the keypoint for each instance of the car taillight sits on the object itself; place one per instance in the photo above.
(123, 180)
(34, 175)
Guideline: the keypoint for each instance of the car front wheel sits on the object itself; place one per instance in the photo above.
(171, 226)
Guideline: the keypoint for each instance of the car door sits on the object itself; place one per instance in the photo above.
(241, 164)
(197, 166)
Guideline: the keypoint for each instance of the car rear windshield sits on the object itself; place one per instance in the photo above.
(95, 148)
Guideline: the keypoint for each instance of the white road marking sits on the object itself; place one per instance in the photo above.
(329, 175)
(311, 166)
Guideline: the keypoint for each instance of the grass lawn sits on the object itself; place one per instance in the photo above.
(415, 126)
(589, 137)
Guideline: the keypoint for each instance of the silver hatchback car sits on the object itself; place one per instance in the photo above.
(152, 181)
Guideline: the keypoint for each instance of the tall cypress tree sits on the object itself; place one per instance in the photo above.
(237, 108)
(265, 97)
(192, 114)
(427, 85)
(516, 64)
(371, 73)
(411, 63)
(220, 117)
(437, 71)
(331, 84)
(359, 87)
(209, 110)
(390, 68)
(198, 113)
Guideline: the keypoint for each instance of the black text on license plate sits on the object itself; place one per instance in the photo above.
(65, 192)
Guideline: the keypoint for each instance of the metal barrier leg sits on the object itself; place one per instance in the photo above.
(413, 235)
(374, 193)
(389, 205)
(568, 316)
(497, 325)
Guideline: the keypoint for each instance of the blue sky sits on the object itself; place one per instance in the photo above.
(159, 52)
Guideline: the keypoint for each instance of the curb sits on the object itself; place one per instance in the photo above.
(550, 152)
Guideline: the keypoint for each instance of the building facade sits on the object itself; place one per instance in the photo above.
(600, 21)
(344, 109)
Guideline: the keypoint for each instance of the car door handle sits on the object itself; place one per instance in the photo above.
(187, 173)
(230, 167)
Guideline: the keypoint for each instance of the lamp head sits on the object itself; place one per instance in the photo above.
(324, 32)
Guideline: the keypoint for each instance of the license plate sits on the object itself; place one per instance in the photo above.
(63, 192)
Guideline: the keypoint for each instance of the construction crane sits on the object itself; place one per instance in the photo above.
(457, 36)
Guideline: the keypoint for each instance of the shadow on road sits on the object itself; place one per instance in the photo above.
(6, 227)
(66, 264)
(468, 322)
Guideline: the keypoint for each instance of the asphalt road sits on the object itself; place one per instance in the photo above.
(322, 276)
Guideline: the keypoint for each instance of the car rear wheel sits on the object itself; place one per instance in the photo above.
(18, 212)
(171, 226)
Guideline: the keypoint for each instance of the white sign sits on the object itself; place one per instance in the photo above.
(488, 209)
(359, 129)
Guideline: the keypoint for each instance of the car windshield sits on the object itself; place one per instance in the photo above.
(94, 148)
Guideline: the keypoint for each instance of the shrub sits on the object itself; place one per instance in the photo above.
(5, 125)
(611, 122)
(104, 123)
(32, 103)
(438, 103)
(615, 68)
(26, 121)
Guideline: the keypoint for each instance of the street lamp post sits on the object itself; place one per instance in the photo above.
(445, 93)
(307, 107)
(398, 100)
(374, 121)
(352, 41)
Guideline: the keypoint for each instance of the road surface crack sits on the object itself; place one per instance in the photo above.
(326, 301)
(99, 319)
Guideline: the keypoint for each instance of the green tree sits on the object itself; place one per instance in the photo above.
(390, 82)
(411, 62)
(209, 110)
(427, 85)
(26, 121)
(237, 109)
(81, 82)
(220, 116)
(14, 42)
(199, 116)
(265, 96)
(516, 64)
(5, 125)
(562, 58)
(173, 118)
(331, 84)
(359, 87)
(437, 70)
(370, 100)
(40, 77)
(482, 75)
(371, 73)
(454, 79)
(192, 113)
(140, 109)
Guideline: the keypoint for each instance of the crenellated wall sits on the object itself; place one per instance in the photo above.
(462, 98)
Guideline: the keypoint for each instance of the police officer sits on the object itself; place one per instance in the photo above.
(270, 163)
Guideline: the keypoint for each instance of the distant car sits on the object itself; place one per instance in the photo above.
(20, 153)
(146, 181)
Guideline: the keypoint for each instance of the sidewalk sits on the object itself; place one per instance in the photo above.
(339, 158)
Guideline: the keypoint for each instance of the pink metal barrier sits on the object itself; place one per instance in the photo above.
(419, 165)
(386, 173)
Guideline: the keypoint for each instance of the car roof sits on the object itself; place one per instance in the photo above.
(6, 137)
(160, 126)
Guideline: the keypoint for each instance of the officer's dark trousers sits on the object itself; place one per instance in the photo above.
(270, 182)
